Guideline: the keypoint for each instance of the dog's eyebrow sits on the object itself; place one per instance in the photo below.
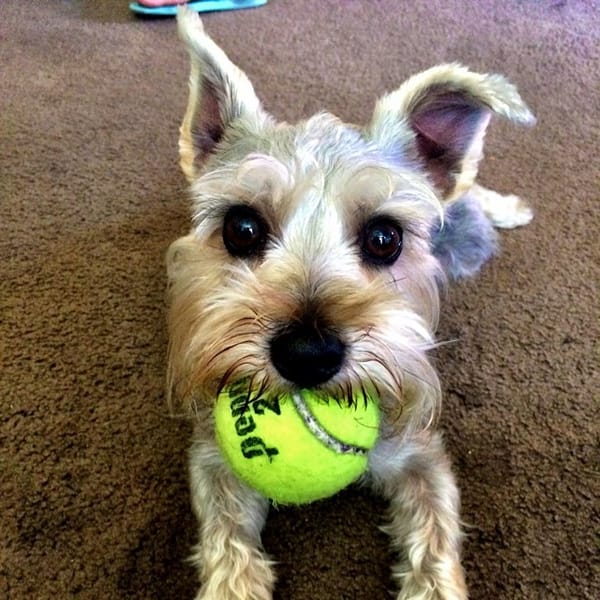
(412, 212)
(404, 197)
(258, 179)
(209, 210)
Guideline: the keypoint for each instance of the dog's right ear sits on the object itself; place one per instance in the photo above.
(220, 93)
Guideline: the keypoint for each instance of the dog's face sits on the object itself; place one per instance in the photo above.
(309, 263)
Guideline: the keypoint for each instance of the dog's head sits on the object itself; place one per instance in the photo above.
(309, 263)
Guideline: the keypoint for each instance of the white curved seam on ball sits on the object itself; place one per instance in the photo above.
(321, 434)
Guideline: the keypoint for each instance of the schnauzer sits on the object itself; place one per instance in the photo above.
(315, 261)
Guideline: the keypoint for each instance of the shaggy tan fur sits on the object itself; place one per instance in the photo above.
(315, 185)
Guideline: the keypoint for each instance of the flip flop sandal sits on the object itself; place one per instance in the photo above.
(198, 6)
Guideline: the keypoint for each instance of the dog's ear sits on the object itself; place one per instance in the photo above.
(439, 117)
(220, 94)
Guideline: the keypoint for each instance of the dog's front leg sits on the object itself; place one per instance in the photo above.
(424, 522)
(229, 556)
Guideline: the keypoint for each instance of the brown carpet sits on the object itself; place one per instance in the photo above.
(93, 496)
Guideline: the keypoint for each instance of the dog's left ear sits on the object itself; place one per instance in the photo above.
(220, 95)
(439, 117)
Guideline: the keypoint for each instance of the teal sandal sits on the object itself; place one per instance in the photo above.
(197, 5)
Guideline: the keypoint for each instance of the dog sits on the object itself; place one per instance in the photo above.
(315, 261)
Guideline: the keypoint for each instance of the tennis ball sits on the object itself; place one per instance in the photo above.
(295, 448)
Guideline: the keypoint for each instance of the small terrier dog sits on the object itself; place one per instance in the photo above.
(315, 260)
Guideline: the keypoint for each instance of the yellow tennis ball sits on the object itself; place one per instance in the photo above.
(295, 448)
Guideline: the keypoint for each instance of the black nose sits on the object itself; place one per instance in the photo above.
(307, 354)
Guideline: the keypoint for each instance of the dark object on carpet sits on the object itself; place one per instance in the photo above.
(465, 240)
(94, 500)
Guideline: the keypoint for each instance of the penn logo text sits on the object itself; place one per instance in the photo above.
(243, 413)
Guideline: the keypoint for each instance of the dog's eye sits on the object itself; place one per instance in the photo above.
(244, 231)
(381, 242)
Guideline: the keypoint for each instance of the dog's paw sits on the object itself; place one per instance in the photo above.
(224, 595)
(432, 592)
(244, 577)
(510, 212)
(505, 212)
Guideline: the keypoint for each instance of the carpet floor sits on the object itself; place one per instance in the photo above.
(93, 498)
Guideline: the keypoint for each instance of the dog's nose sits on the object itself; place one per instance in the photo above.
(307, 354)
